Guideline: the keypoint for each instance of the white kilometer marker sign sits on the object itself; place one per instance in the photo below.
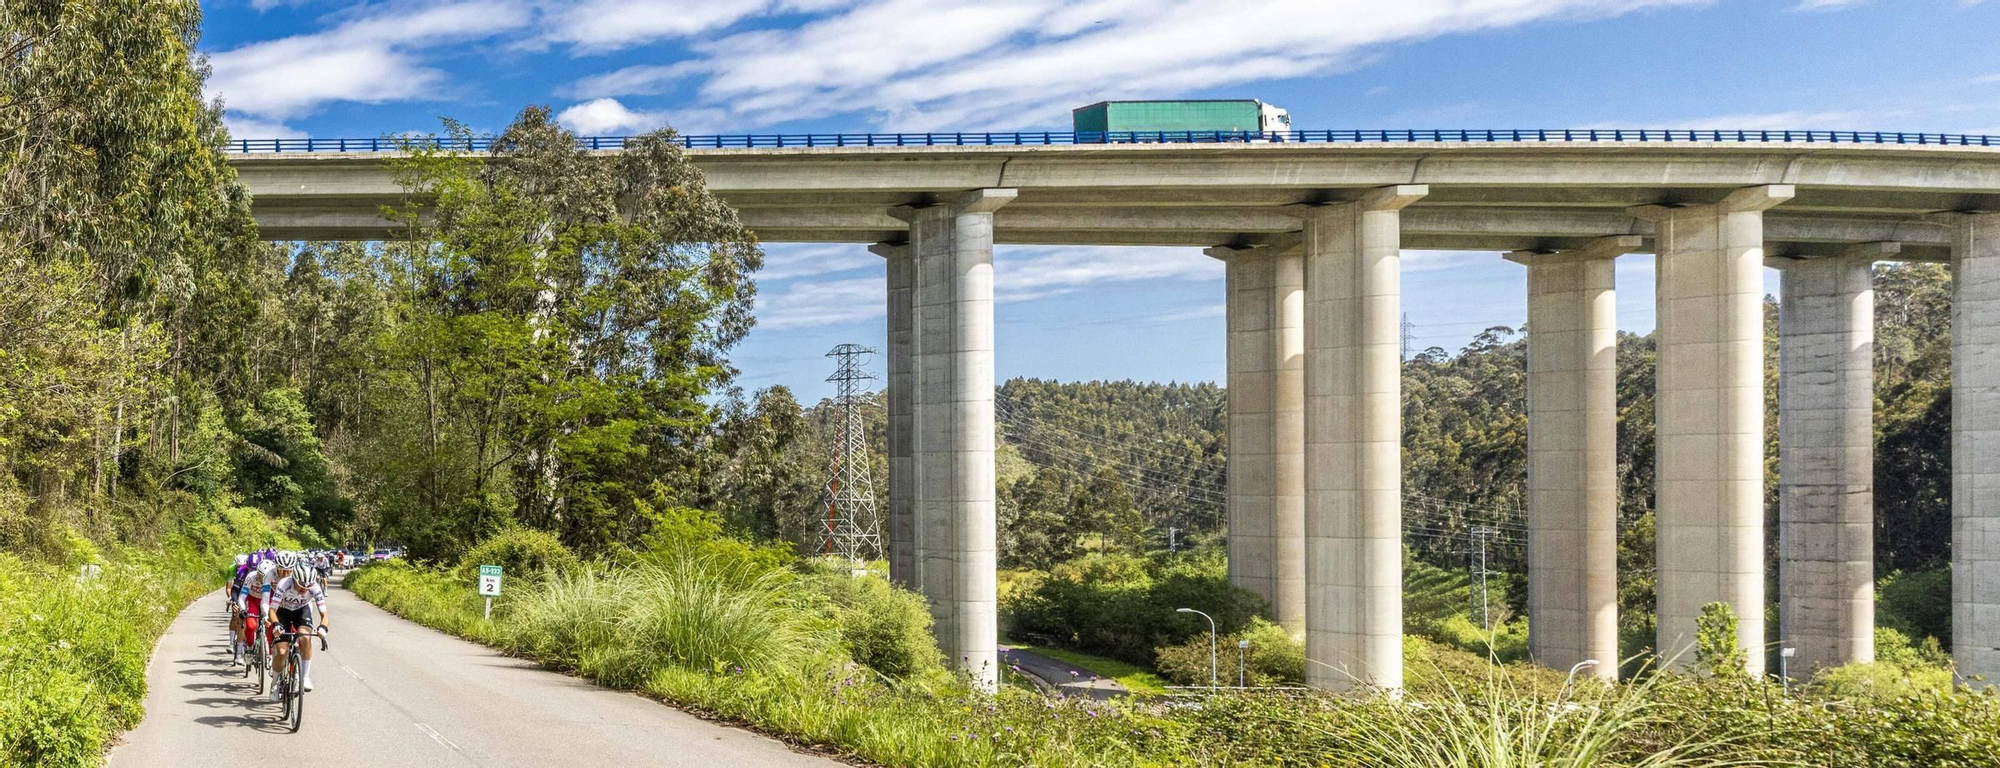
(489, 585)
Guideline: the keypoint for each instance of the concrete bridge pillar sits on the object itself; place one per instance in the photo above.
(903, 542)
(1975, 445)
(1353, 443)
(1573, 455)
(1826, 458)
(951, 407)
(1266, 337)
(1709, 408)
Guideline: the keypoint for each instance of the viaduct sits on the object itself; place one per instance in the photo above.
(1311, 226)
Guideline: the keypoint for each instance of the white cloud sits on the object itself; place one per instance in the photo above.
(1796, 120)
(370, 60)
(597, 26)
(605, 117)
(1019, 274)
(1028, 273)
(1826, 5)
(813, 303)
(784, 261)
(246, 128)
(922, 64)
(1436, 261)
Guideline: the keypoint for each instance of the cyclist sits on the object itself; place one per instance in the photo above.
(257, 583)
(321, 564)
(292, 604)
(229, 601)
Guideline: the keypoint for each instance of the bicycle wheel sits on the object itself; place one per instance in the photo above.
(297, 700)
(263, 663)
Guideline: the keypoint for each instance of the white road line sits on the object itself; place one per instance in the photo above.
(437, 737)
(350, 671)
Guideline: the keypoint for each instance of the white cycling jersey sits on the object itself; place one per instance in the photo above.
(291, 596)
(257, 583)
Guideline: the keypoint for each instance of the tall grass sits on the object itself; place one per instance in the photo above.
(1495, 725)
(690, 612)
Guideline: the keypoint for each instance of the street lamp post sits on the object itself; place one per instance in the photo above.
(1580, 666)
(1211, 641)
(1242, 646)
(1784, 667)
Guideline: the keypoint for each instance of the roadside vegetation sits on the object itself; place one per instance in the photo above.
(843, 664)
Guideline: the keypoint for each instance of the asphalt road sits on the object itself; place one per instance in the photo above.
(390, 692)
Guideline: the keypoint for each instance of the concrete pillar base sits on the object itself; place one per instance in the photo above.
(1266, 317)
(902, 539)
(1826, 460)
(1710, 411)
(1975, 446)
(1573, 456)
(951, 247)
(1353, 451)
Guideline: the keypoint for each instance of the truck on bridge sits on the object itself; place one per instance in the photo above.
(1199, 116)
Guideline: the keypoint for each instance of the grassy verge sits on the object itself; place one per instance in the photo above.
(782, 652)
(1135, 679)
(785, 665)
(74, 648)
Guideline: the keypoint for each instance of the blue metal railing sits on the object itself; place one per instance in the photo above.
(1047, 138)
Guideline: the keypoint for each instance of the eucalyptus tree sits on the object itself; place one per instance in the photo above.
(121, 232)
(568, 312)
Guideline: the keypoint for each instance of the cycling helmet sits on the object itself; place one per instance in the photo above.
(306, 578)
(288, 561)
(268, 568)
(242, 560)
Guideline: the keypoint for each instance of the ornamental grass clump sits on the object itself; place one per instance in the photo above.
(1495, 725)
(680, 613)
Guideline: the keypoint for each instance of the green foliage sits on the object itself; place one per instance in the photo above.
(73, 651)
(561, 318)
(1114, 465)
(1123, 606)
(1916, 603)
(1716, 651)
(524, 556)
(1273, 658)
(881, 627)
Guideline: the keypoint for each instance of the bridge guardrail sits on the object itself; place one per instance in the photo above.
(1054, 138)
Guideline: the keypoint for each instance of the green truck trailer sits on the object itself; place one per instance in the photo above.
(1205, 115)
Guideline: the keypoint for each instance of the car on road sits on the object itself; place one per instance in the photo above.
(381, 554)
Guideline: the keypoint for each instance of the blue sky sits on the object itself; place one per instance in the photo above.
(338, 69)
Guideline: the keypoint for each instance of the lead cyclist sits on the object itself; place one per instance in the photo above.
(292, 604)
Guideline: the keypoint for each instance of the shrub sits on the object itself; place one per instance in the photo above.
(73, 652)
(885, 628)
(1715, 648)
(1273, 658)
(523, 554)
(1916, 603)
(1123, 606)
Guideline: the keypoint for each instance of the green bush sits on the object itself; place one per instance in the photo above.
(1916, 603)
(1273, 658)
(1124, 607)
(73, 651)
(882, 627)
(523, 554)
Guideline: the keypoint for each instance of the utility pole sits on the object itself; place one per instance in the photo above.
(1409, 329)
(848, 525)
(1485, 611)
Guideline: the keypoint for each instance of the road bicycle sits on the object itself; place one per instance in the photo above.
(259, 657)
(292, 685)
